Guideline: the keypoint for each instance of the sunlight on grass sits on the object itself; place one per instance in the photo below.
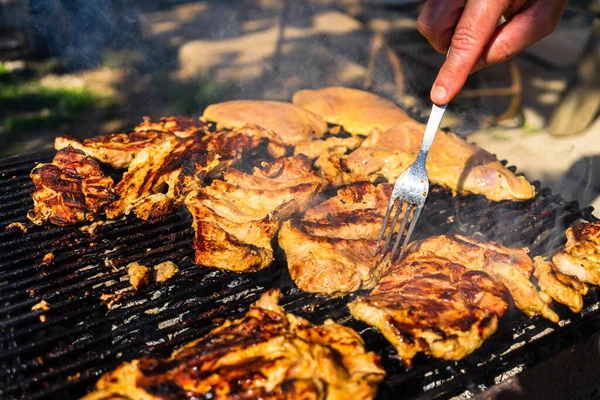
(33, 107)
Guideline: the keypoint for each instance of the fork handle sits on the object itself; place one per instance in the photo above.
(433, 124)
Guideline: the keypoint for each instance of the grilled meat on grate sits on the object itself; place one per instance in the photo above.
(359, 112)
(71, 189)
(290, 122)
(330, 250)
(512, 267)
(452, 162)
(430, 304)
(180, 126)
(393, 142)
(581, 255)
(119, 149)
(160, 177)
(266, 354)
(235, 219)
(564, 289)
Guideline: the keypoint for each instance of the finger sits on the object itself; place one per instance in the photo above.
(437, 21)
(473, 31)
(536, 21)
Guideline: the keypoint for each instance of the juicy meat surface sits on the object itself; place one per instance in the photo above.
(268, 354)
(330, 250)
(236, 218)
(159, 178)
(119, 149)
(71, 189)
(452, 162)
(290, 122)
(357, 111)
(562, 288)
(430, 304)
(581, 255)
(180, 126)
(511, 267)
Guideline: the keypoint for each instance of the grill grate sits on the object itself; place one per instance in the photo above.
(61, 351)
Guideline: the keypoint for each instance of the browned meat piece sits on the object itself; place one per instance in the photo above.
(139, 275)
(71, 189)
(581, 256)
(331, 250)
(267, 354)
(119, 149)
(180, 126)
(562, 288)
(160, 177)
(236, 219)
(452, 162)
(330, 155)
(316, 148)
(433, 305)
(165, 271)
(512, 267)
(357, 111)
(290, 122)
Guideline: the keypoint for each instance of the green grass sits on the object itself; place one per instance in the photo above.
(4, 69)
(28, 106)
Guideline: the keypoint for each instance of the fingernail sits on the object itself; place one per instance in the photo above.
(438, 94)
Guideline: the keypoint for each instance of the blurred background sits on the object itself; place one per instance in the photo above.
(88, 67)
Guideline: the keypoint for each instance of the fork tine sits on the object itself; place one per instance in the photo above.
(401, 231)
(410, 229)
(390, 235)
(385, 222)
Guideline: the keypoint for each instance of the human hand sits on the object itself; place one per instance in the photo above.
(471, 27)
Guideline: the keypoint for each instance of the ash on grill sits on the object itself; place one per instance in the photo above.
(79, 338)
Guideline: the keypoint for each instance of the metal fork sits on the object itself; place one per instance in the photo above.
(410, 188)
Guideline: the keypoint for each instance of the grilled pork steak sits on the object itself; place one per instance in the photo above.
(290, 122)
(512, 267)
(235, 219)
(581, 255)
(430, 304)
(119, 149)
(452, 162)
(71, 189)
(357, 111)
(267, 354)
(562, 288)
(330, 250)
(176, 168)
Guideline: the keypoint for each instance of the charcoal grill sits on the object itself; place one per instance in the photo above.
(60, 350)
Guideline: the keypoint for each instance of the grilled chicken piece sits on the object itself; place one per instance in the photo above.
(316, 148)
(452, 162)
(268, 354)
(330, 250)
(290, 122)
(430, 304)
(159, 178)
(562, 288)
(119, 149)
(512, 267)
(180, 126)
(357, 111)
(581, 256)
(71, 189)
(236, 219)
(330, 155)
